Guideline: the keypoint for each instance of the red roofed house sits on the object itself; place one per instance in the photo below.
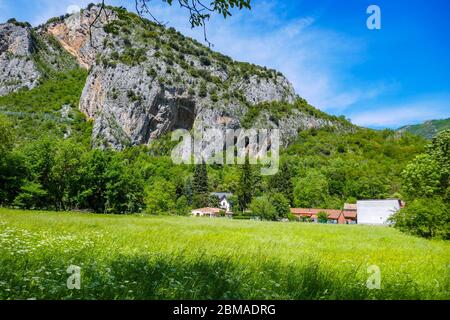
(334, 216)
(207, 212)
(351, 213)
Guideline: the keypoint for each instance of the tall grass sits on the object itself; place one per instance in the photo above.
(141, 257)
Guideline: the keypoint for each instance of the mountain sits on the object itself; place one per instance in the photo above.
(428, 129)
(65, 96)
(136, 81)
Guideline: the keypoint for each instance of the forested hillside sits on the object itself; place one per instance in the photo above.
(323, 168)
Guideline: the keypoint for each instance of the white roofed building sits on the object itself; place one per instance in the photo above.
(377, 212)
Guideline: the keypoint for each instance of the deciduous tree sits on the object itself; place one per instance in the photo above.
(263, 208)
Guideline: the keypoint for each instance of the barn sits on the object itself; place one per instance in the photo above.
(377, 212)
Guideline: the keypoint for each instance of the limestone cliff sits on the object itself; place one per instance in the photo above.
(146, 80)
(17, 69)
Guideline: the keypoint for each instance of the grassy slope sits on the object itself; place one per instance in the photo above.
(136, 257)
(37, 112)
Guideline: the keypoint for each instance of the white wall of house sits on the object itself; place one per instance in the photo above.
(224, 204)
(202, 214)
(376, 212)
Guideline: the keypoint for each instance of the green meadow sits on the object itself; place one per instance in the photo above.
(148, 257)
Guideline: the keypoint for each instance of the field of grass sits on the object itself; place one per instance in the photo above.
(141, 257)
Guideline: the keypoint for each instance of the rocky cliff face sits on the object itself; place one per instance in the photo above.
(146, 80)
(28, 56)
(82, 34)
(17, 69)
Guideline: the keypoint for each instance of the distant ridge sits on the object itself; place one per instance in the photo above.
(427, 129)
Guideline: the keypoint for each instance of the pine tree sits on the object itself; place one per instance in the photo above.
(245, 188)
(188, 190)
(200, 183)
(282, 183)
(200, 186)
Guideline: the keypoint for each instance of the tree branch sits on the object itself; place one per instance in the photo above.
(97, 17)
(199, 13)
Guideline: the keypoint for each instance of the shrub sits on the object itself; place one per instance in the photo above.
(53, 20)
(111, 28)
(205, 61)
(133, 57)
(133, 96)
(127, 42)
(281, 205)
(214, 97)
(322, 217)
(19, 24)
(263, 208)
(203, 92)
(152, 73)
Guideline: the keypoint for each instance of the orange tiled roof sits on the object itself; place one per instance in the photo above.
(333, 214)
(350, 214)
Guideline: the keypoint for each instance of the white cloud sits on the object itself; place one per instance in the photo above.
(73, 8)
(393, 116)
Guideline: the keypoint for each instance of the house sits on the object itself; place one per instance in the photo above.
(377, 212)
(350, 207)
(207, 212)
(225, 203)
(350, 213)
(334, 216)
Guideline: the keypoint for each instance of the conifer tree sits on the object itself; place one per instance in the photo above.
(282, 183)
(245, 187)
(200, 186)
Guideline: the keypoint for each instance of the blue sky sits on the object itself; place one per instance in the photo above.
(378, 78)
